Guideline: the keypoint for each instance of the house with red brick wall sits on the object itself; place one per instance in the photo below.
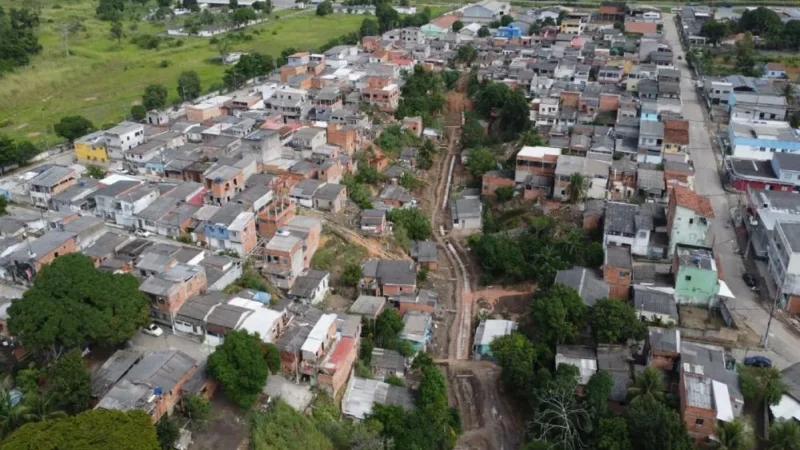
(663, 347)
(170, 289)
(493, 180)
(335, 369)
(275, 216)
(388, 277)
(344, 137)
(698, 404)
(618, 271)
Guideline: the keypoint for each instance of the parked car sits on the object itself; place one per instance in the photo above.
(750, 280)
(757, 361)
(153, 330)
(143, 233)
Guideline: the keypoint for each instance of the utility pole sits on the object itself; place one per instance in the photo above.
(765, 338)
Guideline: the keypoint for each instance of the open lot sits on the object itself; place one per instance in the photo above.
(101, 79)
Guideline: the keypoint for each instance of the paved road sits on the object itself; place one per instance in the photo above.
(723, 237)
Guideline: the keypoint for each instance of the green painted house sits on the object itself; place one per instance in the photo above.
(696, 275)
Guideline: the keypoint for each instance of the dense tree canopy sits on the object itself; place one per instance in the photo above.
(189, 87)
(324, 8)
(73, 127)
(249, 66)
(240, 367)
(11, 152)
(654, 426)
(97, 429)
(71, 383)
(281, 427)
(18, 40)
(762, 383)
(155, 97)
(369, 27)
(615, 321)
(714, 30)
(422, 95)
(480, 161)
(416, 224)
(558, 315)
(72, 304)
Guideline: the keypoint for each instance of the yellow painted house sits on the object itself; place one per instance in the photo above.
(92, 147)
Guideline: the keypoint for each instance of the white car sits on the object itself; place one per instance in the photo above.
(153, 330)
(143, 233)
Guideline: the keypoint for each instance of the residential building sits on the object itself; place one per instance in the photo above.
(368, 306)
(588, 283)
(689, 216)
(493, 180)
(595, 176)
(416, 330)
(283, 259)
(762, 139)
(49, 182)
(536, 168)
(746, 106)
(618, 271)
(489, 330)
(394, 196)
(373, 222)
(23, 263)
(77, 197)
(788, 408)
(223, 184)
(170, 289)
(663, 347)
(774, 70)
(466, 214)
(388, 277)
(651, 142)
(382, 93)
(362, 394)
(387, 363)
(745, 174)
(330, 197)
(425, 254)
(655, 304)
(123, 137)
(231, 228)
(152, 382)
(783, 253)
(311, 287)
(697, 277)
(582, 357)
(484, 12)
(92, 147)
(676, 136)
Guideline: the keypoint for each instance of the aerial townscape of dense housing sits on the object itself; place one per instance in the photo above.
(561, 227)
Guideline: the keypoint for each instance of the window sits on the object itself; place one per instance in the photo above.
(699, 422)
(688, 278)
(691, 221)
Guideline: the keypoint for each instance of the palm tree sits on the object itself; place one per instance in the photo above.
(649, 383)
(734, 436)
(40, 409)
(11, 415)
(576, 187)
(571, 244)
(784, 435)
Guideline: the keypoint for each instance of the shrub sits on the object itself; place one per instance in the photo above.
(164, 64)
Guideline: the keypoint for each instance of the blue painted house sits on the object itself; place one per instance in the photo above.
(509, 32)
(416, 329)
(488, 331)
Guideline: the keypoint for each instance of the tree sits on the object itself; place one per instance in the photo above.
(506, 20)
(714, 31)
(416, 223)
(611, 434)
(116, 31)
(155, 97)
(191, 5)
(504, 193)
(472, 133)
(11, 415)
(281, 427)
(369, 27)
(19, 41)
(735, 435)
(240, 367)
(388, 326)
(457, 26)
(647, 385)
(189, 85)
(483, 32)
(517, 357)
(762, 383)
(196, 407)
(744, 55)
(324, 8)
(596, 394)
(273, 357)
(761, 22)
(784, 435)
(96, 429)
(110, 10)
(168, 431)
(466, 54)
(480, 161)
(242, 16)
(558, 315)
(72, 304)
(388, 17)
(19, 153)
(615, 321)
(138, 112)
(653, 426)
(233, 4)
(71, 383)
(560, 419)
(352, 274)
(95, 172)
(576, 188)
(73, 127)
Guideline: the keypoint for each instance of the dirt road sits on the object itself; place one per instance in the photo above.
(489, 421)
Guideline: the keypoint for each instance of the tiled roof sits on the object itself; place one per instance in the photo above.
(687, 198)
(676, 132)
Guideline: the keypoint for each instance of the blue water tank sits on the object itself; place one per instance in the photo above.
(158, 390)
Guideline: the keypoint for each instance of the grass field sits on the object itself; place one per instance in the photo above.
(102, 79)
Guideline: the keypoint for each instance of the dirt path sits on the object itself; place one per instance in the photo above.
(473, 386)
(373, 246)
